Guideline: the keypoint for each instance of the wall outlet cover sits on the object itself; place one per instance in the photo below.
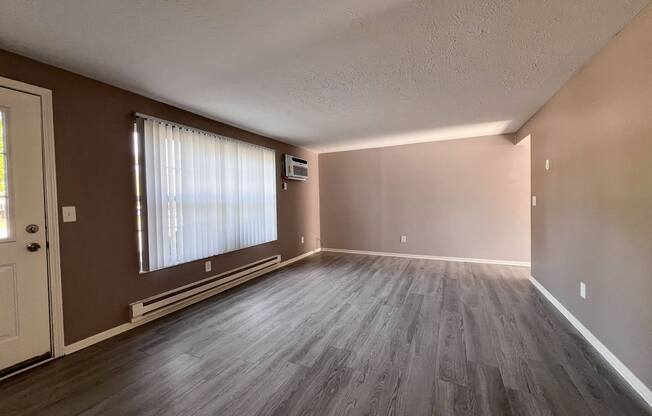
(208, 266)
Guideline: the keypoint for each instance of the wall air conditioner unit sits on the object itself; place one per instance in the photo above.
(295, 168)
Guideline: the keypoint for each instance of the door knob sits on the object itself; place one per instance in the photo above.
(33, 247)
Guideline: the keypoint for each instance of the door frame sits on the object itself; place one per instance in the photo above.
(51, 211)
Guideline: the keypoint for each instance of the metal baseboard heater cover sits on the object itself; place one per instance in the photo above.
(183, 296)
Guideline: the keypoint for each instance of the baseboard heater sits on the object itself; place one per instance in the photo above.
(164, 303)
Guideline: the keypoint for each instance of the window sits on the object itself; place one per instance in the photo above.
(200, 194)
(5, 231)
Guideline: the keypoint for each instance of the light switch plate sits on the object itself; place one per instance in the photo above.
(583, 290)
(404, 239)
(547, 164)
(69, 214)
(534, 201)
(303, 240)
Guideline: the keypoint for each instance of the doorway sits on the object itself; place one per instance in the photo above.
(31, 327)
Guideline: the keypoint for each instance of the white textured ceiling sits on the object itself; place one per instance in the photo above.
(327, 75)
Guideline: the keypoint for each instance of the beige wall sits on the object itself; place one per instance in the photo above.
(94, 156)
(593, 220)
(457, 198)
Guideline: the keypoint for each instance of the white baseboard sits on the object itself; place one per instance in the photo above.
(94, 339)
(297, 258)
(618, 365)
(422, 256)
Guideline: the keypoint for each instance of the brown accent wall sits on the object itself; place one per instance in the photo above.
(93, 124)
(458, 198)
(593, 219)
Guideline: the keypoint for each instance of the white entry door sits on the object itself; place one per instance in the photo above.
(24, 297)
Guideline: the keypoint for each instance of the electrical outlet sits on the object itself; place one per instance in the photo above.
(404, 239)
(303, 240)
(534, 201)
(285, 186)
(208, 266)
(583, 290)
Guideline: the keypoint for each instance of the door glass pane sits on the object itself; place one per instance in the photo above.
(4, 186)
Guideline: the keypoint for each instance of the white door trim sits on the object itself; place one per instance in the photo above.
(51, 210)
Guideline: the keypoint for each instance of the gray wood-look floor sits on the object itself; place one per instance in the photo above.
(341, 334)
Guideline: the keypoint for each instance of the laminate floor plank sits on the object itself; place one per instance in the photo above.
(341, 334)
(451, 353)
(489, 394)
(479, 335)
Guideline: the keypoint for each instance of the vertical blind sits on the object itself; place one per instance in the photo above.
(205, 194)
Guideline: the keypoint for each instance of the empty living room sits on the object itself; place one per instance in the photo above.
(293, 208)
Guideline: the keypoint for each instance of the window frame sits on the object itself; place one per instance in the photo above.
(11, 232)
(140, 190)
(141, 195)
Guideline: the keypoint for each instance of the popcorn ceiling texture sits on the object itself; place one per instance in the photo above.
(328, 75)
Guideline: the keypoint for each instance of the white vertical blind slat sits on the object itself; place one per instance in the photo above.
(206, 194)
